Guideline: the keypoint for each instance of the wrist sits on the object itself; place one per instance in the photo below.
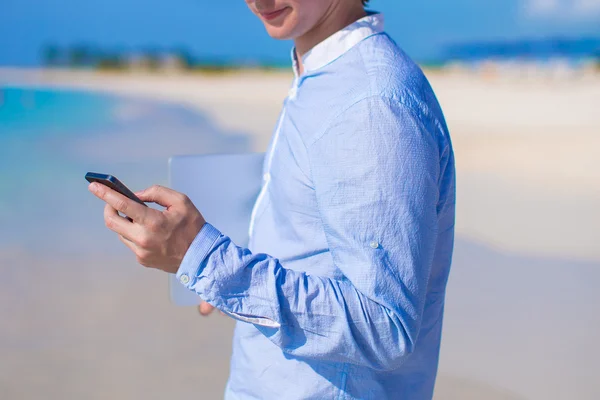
(197, 252)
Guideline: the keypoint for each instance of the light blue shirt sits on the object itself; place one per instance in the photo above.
(340, 294)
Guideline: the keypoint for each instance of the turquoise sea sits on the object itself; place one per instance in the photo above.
(50, 138)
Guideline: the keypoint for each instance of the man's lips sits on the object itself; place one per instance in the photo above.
(269, 16)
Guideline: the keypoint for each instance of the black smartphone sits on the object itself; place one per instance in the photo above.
(114, 184)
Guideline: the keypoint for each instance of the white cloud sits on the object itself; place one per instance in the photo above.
(563, 9)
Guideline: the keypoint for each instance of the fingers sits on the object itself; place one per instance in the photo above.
(115, 222)
(128, 243)
(205, 309)
(119, 202)
(161, 195)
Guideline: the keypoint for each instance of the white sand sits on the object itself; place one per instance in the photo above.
(517, 327)
(527, 151)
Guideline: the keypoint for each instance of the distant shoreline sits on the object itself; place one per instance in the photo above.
(219, 95)
(538, 136)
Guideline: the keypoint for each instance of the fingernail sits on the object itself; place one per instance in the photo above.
(93, 187)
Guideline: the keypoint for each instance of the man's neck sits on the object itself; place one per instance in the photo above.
(335, 19)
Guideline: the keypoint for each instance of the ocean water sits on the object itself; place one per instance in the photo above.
(49, 139)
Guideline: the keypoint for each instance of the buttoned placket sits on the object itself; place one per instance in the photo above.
(292, 93)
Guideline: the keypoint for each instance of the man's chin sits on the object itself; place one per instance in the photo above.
(279, 33)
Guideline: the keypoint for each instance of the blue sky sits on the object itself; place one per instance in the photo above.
(225, 28)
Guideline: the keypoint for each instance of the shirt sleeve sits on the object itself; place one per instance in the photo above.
(375, 172)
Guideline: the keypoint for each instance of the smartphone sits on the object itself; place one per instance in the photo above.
(114, 184)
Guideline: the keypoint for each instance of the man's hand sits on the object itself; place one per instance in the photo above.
(159, 239)
(205, 309)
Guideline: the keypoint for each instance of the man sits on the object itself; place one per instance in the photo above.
(341, 292)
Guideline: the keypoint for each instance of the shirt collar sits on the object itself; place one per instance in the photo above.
(340, 42)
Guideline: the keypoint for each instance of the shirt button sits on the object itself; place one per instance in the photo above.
(267, 176)
(292, 92)
(184, 279)
(374, 245)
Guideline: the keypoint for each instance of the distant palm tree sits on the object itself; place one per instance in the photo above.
(184, 57)
(110, 61)
(51, 55)
(151, 58)
(80, 56)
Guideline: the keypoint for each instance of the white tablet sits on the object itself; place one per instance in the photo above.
(224, 189)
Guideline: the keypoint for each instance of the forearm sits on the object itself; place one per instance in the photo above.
(305, 315)
(377, 195)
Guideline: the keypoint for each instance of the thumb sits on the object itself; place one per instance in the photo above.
(160, 195)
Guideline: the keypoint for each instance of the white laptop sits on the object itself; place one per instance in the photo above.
(224, 189)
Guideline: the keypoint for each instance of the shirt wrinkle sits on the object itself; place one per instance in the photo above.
(351, 238)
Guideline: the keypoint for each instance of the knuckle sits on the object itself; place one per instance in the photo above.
(121, 205)
(157, 189)
(153, 224)
(109, 222)
(181, 196)
(184, 199)
(144, 241)
(142, 257)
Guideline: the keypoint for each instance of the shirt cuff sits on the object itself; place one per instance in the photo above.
(199, 249)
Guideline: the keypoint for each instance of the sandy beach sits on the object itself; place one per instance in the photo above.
(526, 147)
(522, 306)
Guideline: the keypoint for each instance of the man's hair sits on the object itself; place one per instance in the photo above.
(365, 2)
